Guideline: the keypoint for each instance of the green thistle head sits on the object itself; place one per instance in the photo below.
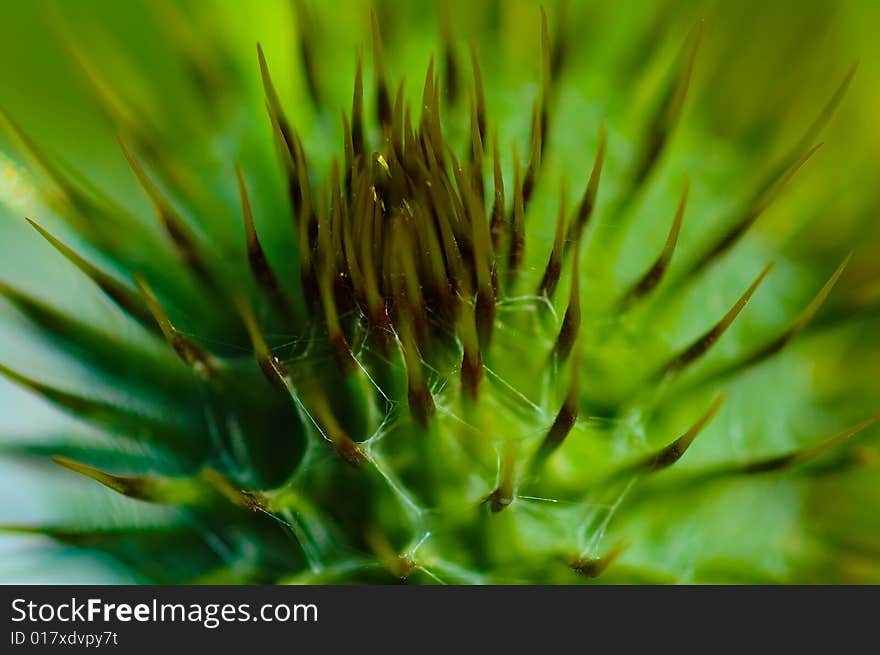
(473, 329)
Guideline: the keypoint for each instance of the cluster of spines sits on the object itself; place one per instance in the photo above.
(405, 244)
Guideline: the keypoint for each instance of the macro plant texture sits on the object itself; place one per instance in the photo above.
(470, 293)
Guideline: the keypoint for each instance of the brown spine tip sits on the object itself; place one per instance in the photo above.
(315, 399)
(342, 354)
(562, 425)
(818, 300)
(484, 263)
(670, 454)
(554, 264)
(796, 327)
(593, 567)
(567, 415)
(421, 402)
(397, 123)
(503, 494)
(588, 201)
(274, 371)
(518, 236)
(202, 363)
(288, 159)
(383, 98)
(471, 373)
(63, 185)
(449, 59)
(559, 52)
(134, 487)
(498, 225)
(479, 91)
(702, 345)
(348, 150)
(185, 492)
(274, 104)
(806, 454)
(349, 450)
(251, 501)
(126, 299)
(663, 125)
(477, 157)
(571, 322)
(382, 331)
(180, 234)
(357, 111)
(652, 278)
(76, 405)
(261, 269)
(400, 566)
(500, 499)
(161, 430)
(484, 314)
(766, 195)
(306, 32)
(546, 78)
